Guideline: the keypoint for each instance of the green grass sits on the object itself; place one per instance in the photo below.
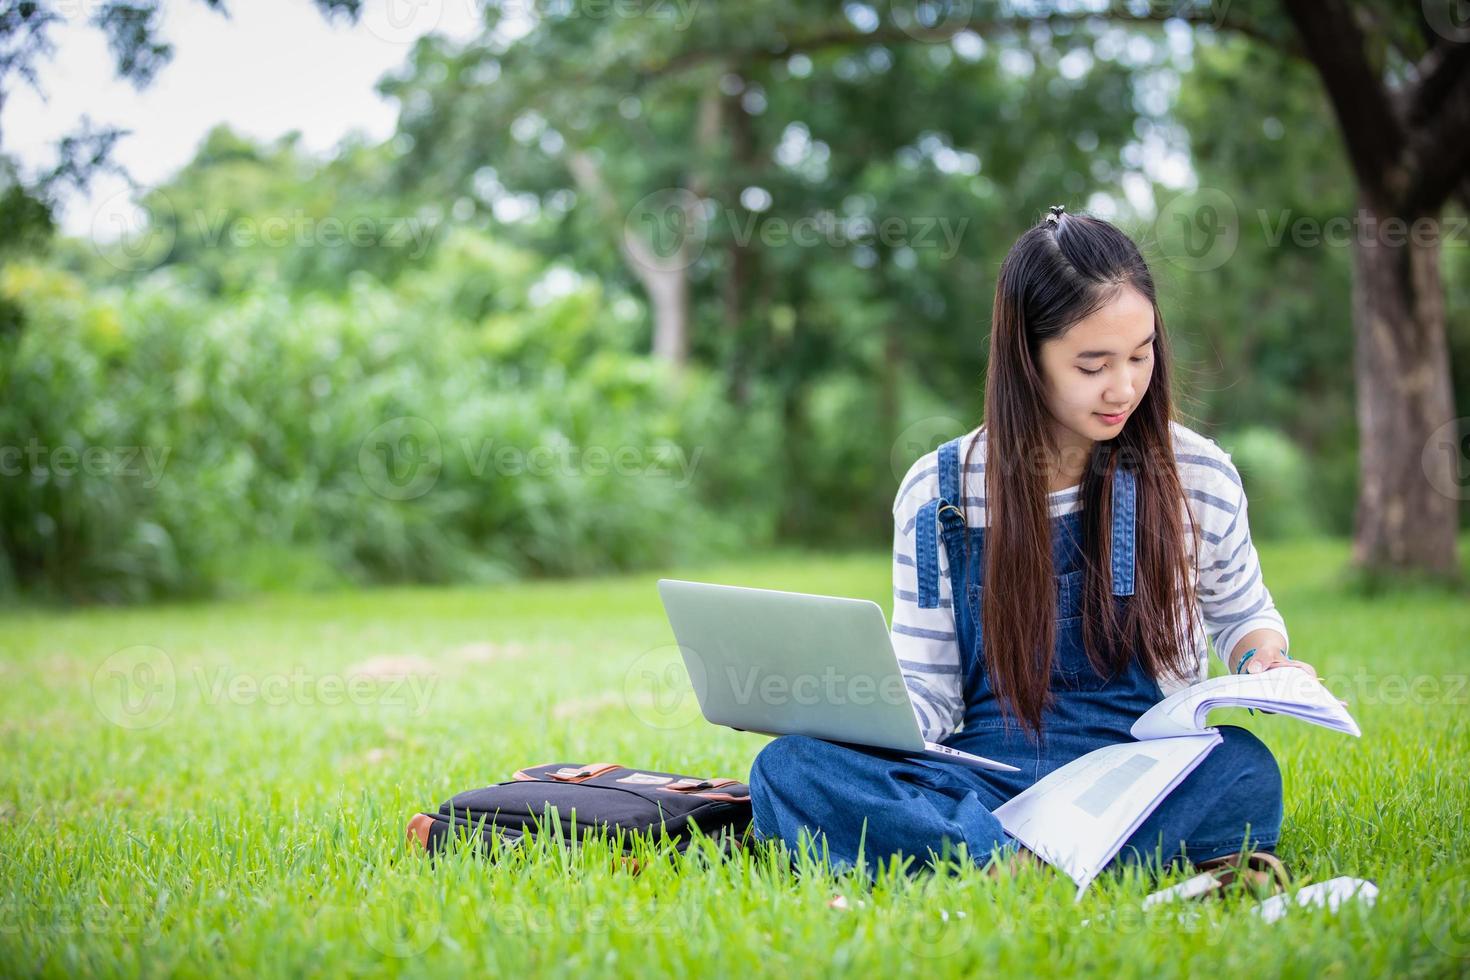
(256, 829)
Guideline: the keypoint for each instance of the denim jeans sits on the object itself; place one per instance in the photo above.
(848, 798)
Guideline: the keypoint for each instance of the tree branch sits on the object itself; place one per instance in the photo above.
(1371, 129)
(849, 37)
(1439, 71)
(1438, 154)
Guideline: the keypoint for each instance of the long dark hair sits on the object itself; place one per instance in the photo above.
(1056, 274)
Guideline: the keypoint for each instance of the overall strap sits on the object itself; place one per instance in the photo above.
(944, 509)
(1125, 513)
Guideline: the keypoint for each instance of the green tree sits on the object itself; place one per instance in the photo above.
(131, 28)
(681, 158)
(1396, 79)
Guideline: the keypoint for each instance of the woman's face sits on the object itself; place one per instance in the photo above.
(1096, 373)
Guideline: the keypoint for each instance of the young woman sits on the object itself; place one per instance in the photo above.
(1054, 572)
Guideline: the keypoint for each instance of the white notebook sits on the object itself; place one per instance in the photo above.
(1078, 816)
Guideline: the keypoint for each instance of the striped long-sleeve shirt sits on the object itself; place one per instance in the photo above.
(1232, 596)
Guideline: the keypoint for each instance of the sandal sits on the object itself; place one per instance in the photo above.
(1022, 857)
(1261, 872)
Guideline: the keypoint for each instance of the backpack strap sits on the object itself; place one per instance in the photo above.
(1125, 515)
(944, 509)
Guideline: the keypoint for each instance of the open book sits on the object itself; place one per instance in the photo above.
(1078, 816)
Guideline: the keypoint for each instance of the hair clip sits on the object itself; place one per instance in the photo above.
(1056, 214)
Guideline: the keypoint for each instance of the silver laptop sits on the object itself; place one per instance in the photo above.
(786, 663)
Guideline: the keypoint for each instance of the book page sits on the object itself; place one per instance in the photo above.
(1286, 691)
(1078, 817)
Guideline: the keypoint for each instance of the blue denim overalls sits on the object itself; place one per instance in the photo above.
(894, 803)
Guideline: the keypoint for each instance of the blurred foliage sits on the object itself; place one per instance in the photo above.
(1279, 484)
(233, 442)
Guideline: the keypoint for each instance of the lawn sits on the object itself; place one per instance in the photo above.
(222, 788)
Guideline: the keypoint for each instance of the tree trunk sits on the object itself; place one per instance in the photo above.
(888, 379)
(742, 260)
(668, 290)
(736, 290)
(793, 521)
(1403, 130)
(665, 279)
(1407, 516)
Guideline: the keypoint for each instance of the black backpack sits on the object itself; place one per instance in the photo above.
(600, 797)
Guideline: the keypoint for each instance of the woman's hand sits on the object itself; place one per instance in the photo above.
(1273, 659)
(1264, 650)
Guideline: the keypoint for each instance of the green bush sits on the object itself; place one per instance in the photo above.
(1278, 483)
(274, 441)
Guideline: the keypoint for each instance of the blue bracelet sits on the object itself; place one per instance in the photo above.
(1241, 666)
